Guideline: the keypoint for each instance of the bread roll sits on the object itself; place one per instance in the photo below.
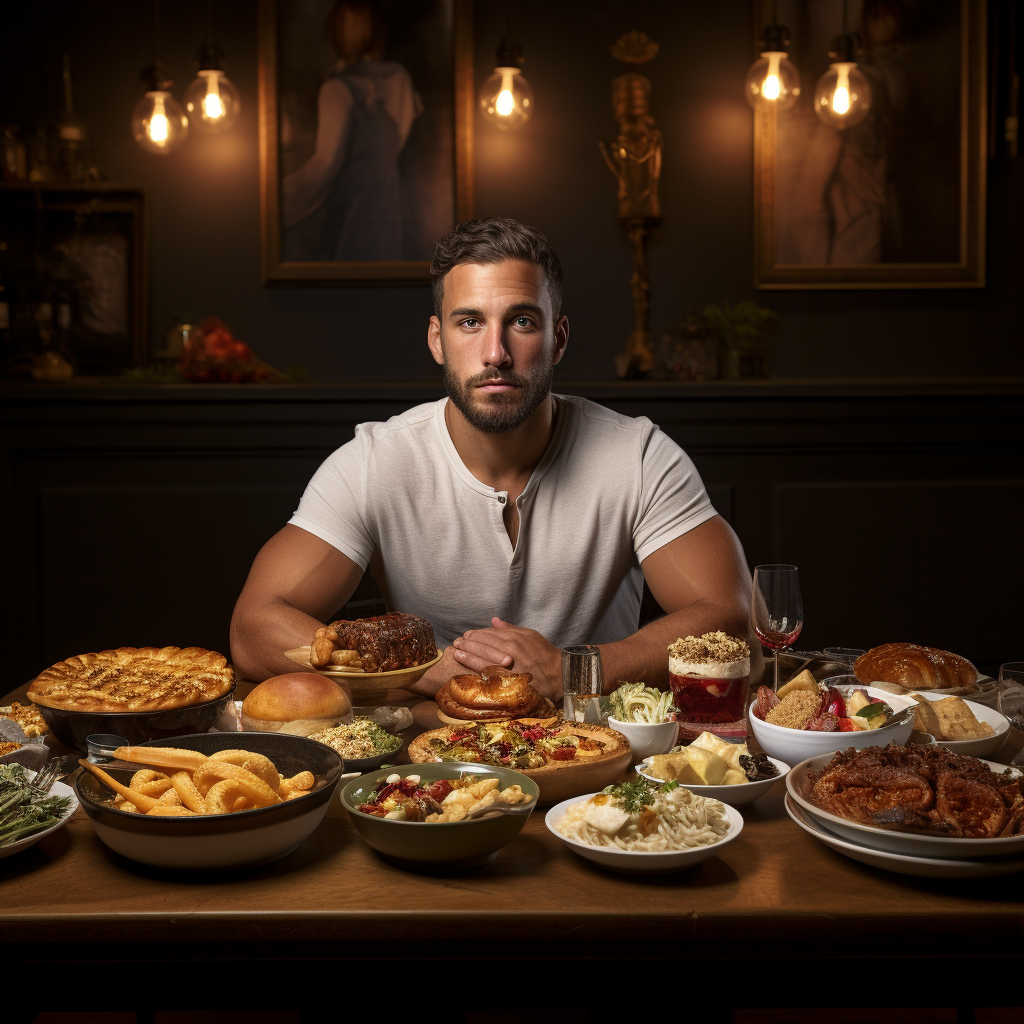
(297, 703)
(916, 668)
(510, 692)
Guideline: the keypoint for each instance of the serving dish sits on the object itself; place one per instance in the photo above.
(437, 846)
(557, 780)
(242, 839)
(368, 688)
(57, 789)
(740, 795)
(646, 739)
(984, 744)
(796, 745)
(642, 863)
(798, 786)
(72, 727)
(902, 863)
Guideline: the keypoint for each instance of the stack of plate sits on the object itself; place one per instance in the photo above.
(905, 853)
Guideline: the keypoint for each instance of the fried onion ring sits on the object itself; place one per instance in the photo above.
(222, 796)
(188, 794)
(252, 787)
(171, 811)
(262, 767)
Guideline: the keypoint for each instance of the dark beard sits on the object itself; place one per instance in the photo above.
(505, 411)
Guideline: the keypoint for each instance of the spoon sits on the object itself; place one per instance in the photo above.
(502, 808)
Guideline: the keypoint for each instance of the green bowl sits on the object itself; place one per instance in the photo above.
(437, 846)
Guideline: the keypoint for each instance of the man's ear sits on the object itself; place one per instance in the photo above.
(434, 340)
(561, 339)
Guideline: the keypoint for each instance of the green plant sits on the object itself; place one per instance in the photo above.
(743, 326)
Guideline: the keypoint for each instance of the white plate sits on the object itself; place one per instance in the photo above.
(740, 795)
(901, 863)
(635, 862)
(58, 789)
(910, 843)
(985, 744)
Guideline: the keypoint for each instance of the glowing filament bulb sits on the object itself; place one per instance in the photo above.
(506, 101)
(159, 126)
(771, 88)
(841, 97)
(213, 106)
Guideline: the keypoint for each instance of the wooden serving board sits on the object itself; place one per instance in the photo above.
(558, 780)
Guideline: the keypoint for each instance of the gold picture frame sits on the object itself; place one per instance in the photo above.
(280, 267)
(955, 227)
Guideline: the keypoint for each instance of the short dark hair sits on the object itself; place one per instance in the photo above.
(371, 34)
(495, 240)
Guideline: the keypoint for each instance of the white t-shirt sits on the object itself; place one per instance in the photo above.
(609, 491)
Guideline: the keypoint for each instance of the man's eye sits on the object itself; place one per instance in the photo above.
(470, 322)
(523, 321)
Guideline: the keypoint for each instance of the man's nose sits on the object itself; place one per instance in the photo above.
(495, 353)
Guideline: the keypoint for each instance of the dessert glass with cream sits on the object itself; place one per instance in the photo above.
(710, 676)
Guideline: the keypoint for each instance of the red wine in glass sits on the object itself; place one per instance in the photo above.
(776, 610)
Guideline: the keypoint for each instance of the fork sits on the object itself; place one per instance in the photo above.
(47, 776)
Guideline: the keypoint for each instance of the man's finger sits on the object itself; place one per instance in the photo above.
(480, 648)
(478, 664)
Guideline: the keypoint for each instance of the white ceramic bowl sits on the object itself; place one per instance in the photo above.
(740, 795)
(631, 862)
(647, 740)
(796, 745)
(799, 788)
(985, 744)
(58, 789)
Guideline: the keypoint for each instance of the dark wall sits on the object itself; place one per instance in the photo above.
(204, 199)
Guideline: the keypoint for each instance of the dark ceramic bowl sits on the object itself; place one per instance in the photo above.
(437, 846)
(72, 727)
(242, 839)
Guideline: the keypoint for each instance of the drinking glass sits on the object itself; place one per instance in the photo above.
(776, 611)
(582, 682)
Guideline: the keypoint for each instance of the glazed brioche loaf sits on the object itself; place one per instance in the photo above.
(298, 703)
(915, 667)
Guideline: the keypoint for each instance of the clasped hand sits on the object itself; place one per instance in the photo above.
(516, 647)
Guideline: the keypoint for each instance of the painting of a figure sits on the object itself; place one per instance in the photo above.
(895, 200)
(363, 143)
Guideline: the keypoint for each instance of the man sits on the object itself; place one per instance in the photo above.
(515, 521)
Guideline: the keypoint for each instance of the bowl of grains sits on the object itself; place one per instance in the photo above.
(363, 744)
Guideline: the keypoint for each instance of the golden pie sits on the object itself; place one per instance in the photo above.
(134, 679)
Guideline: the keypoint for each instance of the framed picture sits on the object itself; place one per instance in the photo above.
(76, 256)
(898, 200)
(365, 137)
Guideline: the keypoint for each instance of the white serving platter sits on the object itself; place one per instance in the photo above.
(901, 863)
(798, 787)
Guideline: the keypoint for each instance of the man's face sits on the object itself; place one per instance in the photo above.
(498, 342)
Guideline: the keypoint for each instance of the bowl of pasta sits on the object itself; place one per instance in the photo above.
(643, 827)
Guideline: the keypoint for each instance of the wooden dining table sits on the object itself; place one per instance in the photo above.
(775, 919)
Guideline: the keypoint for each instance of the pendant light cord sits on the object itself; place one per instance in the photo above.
(156, 32)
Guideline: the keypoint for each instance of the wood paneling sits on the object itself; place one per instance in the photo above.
(132, 514)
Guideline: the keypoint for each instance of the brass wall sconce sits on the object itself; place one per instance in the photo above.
(634, 158)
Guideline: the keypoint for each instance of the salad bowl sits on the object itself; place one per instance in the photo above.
(437, 846)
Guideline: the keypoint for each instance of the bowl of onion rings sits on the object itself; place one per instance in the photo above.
(212, 800)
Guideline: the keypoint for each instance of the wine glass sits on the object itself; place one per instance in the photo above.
(776, 611)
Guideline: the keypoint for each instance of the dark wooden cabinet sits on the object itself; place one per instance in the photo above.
(132, 514)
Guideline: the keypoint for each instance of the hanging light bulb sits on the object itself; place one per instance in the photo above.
(842, 97)
(212, 100)
(506, 98)
(773, 79)
(158, 123)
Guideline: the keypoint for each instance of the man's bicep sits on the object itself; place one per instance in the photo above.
(704, 564)
(306, 572)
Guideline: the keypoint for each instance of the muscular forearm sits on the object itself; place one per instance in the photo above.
(260, 636)
(644, 655)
